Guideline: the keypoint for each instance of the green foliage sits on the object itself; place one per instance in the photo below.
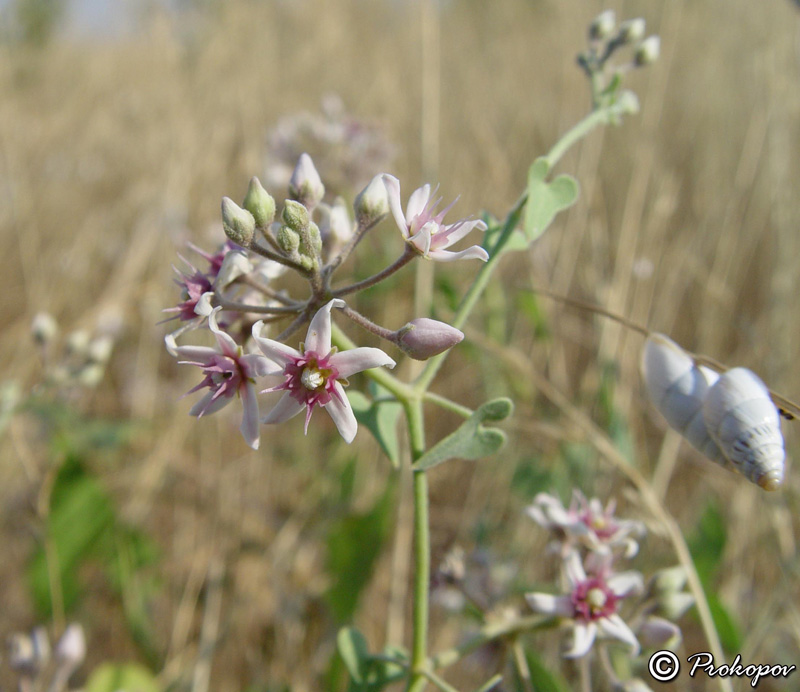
(123, 677)
(470, 440)
(542, 678)
(529, 478)
(707, 545)
(369, 673)
(546, 199)
(379, 416)
(527, 304)
(354, 543)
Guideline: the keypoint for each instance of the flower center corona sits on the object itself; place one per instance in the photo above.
(312, 378)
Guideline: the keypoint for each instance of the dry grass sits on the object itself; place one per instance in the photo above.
(112, 155)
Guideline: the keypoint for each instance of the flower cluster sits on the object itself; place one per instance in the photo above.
(38, 668)
(238, 297)
(594, 595)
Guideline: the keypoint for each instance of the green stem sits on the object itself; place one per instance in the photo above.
(598, 117)
(422, 548)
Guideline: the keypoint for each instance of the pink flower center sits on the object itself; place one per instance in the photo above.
(310, 379)
(603, 526)
(592, 599)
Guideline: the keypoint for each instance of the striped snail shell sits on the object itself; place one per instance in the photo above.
(726, 417)
(745, 424)
(678, 387)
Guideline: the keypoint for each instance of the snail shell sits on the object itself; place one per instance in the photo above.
(745, 424)
(728, 417)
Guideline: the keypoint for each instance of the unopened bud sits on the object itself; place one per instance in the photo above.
(602, 26)
(99, 350)
(372, 202)
(43, 328)
(658, 632)
(71, 648)
(259, 203)
(288, 240)
(669, 579)
(305, 185)
(672, 605)
(631, 30)
(627, 102)
(424, 338)
(239, 224)
(295, 215)
(335, 223)
(648, 51)
(78, 342)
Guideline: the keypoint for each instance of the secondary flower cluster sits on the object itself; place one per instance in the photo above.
(238, 297)
(590, 540)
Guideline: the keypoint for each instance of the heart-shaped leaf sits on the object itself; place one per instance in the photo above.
(470, 440)
(546, 199)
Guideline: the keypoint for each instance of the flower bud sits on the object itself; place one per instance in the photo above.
(239, 224)
(259, 203)
(288, 240)
(602, 26)
(631, 31)
(424, 338)
(305, 185)
(295, 215)
(658, 632)
(71, 648)
(372, 202)
(647, 52)
(669, 579)
(99, 349)
(315, 237)
(672, 605)
(78, 342)
(628, 102)
(43, 328)
(335, 223)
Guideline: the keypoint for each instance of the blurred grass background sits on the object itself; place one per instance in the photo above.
(114, 152)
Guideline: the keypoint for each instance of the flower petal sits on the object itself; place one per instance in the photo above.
(417, 201)
(274, 350)
(624, 583)
(208, 404)
(249, 427)
(392, 185)
(192, 354)
(318, 337)
(548, 604)
(226, 343)
(614, 626)
(342, 414)
(448, 235)
(286, 408)
(357, 359)
(583, 637)
(474, 252)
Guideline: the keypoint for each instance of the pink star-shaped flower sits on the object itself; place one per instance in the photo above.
(228, 372)
(316, 374)
(425, 231)
(591, 605)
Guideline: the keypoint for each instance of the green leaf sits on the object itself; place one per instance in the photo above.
(546, 199)
(471, 440)
(379, 416)
(354, 544)
(542, 678)
(126, 677)
(354, 652)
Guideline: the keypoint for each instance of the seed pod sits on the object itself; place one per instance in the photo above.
(745, 424)
(677, 387)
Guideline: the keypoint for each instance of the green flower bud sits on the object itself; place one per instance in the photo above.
(288, 240)
(631, 31)
(305, 184)
(371, 203)
(239, 224)
(295, 215)
(259, 203)
(647, 52)
(602, 26)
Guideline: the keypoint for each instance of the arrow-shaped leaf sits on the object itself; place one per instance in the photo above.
(546, 199)
(471, 440)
